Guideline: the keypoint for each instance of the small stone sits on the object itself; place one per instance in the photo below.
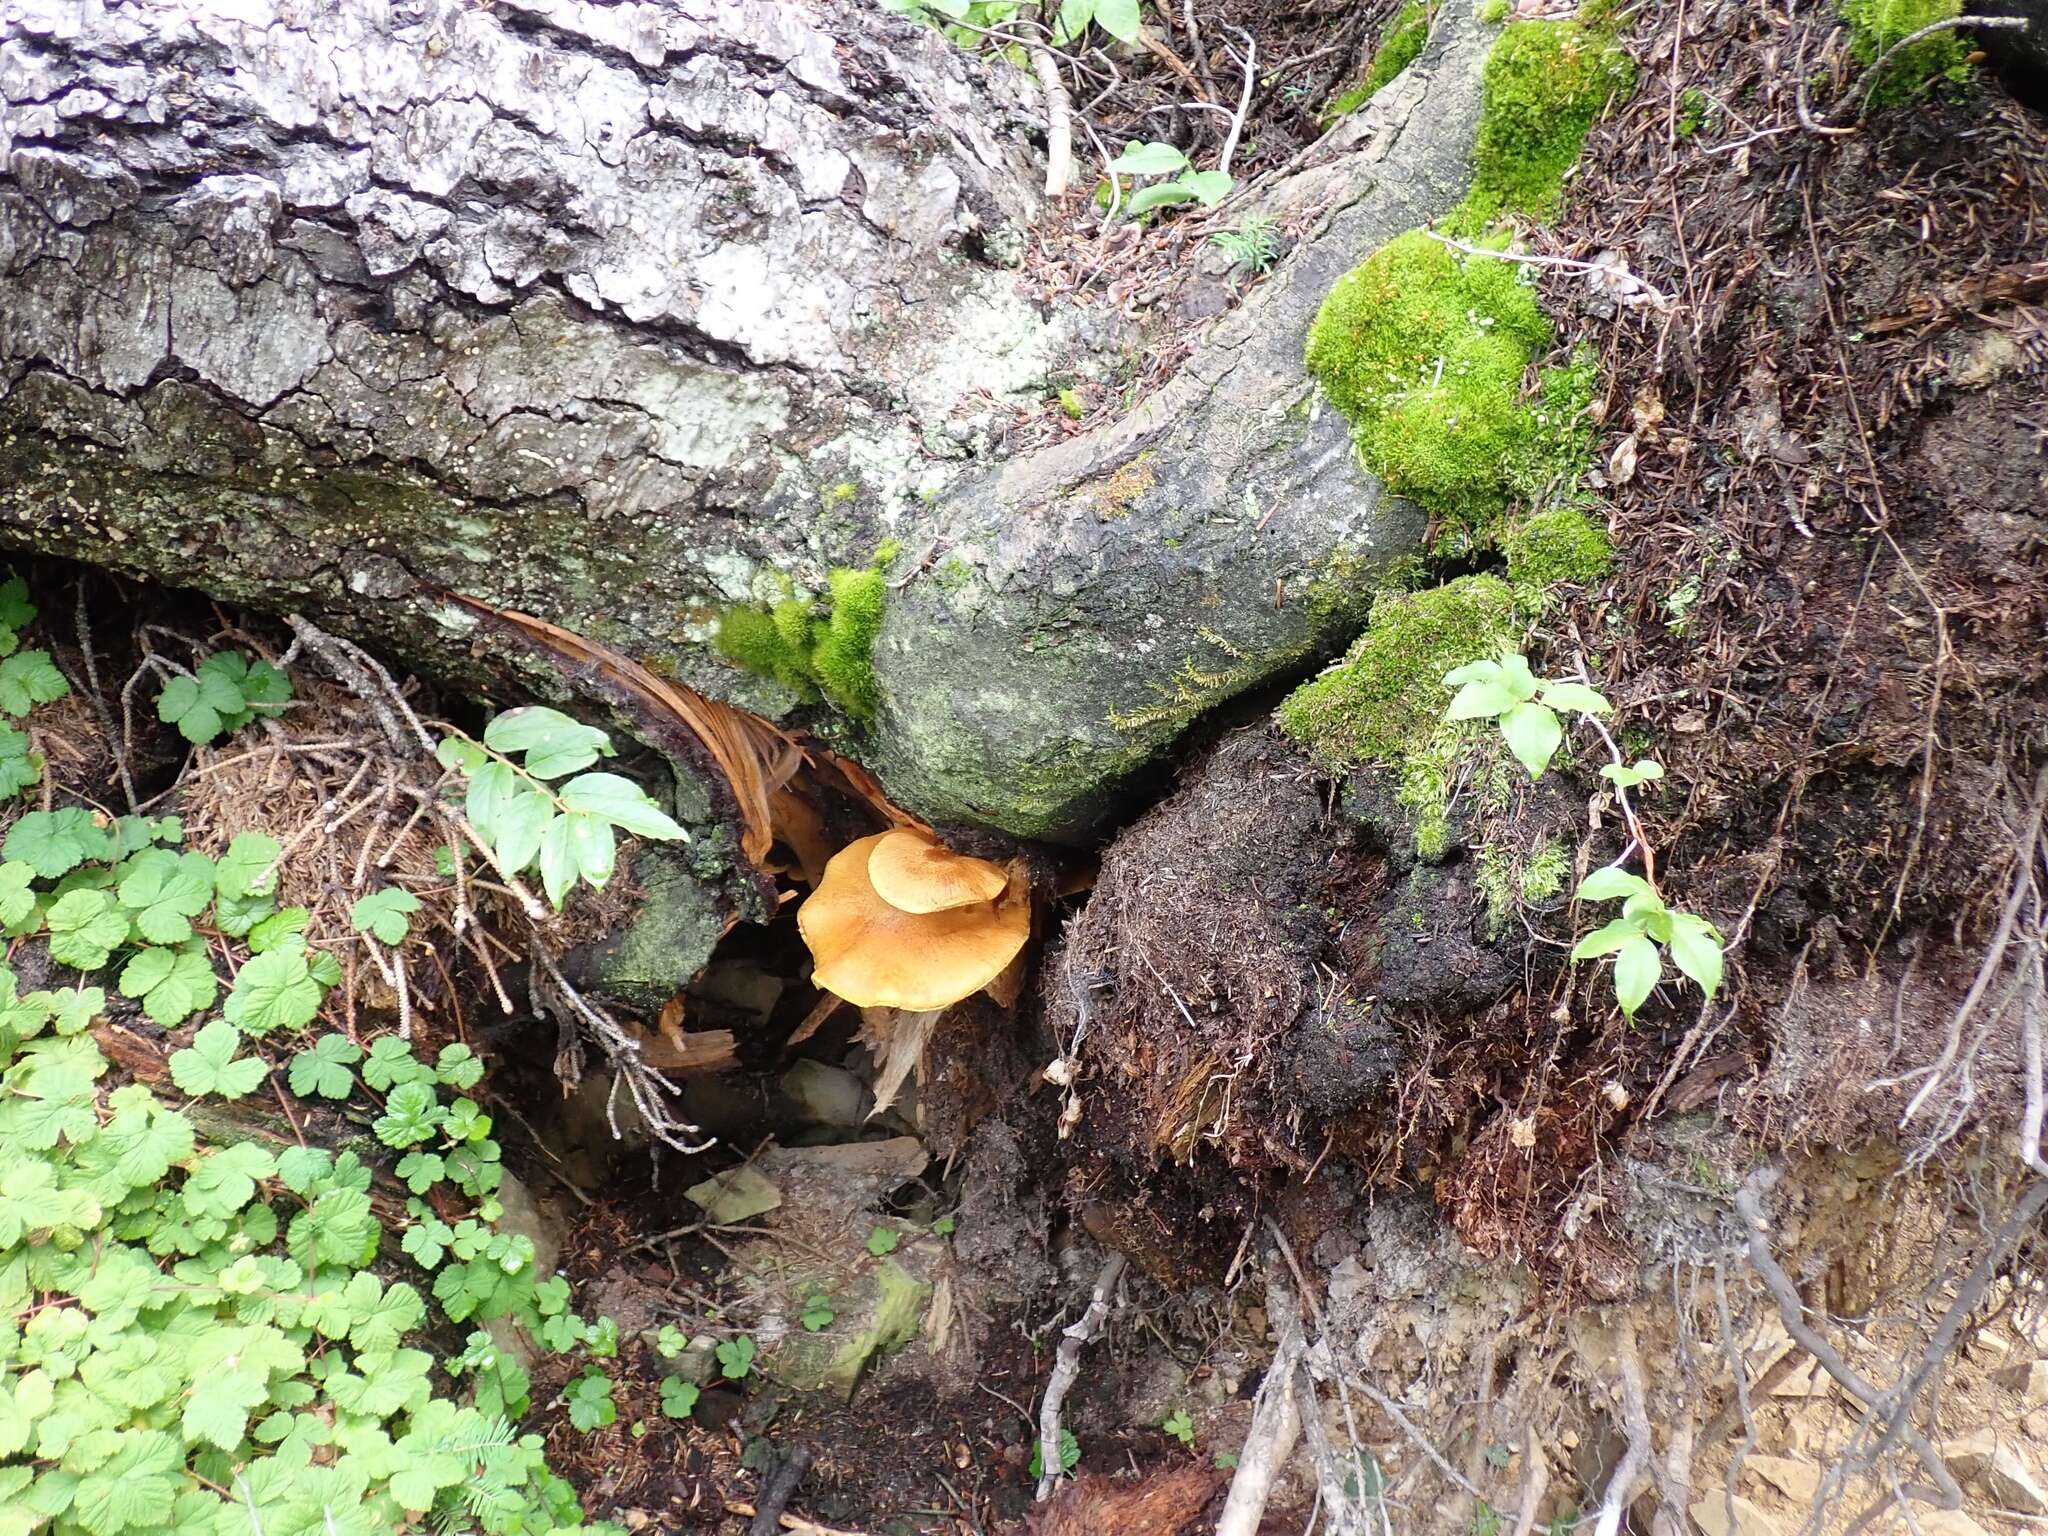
(739, 1194)
(1711, 1515)
(2035, 1425)
(1797, 1480)
(2014, 1484)
(2029, 1380)
(1967, 1456)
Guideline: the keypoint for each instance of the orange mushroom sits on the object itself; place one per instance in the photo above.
(915, 872)
(877, 954)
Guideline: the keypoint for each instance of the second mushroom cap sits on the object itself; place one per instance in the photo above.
(915, 872)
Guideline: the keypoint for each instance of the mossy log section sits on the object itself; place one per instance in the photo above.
(596, 312)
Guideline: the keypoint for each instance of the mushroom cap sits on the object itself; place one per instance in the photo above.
(915, 872)
(879, 956)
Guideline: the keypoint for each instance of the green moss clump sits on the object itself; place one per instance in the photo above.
(1546, 82)
(1385, 700)
(1876, 25)
(1424, 350)
(812, 653)
(1561, 547)
(1397, 50)
(1509, 883)
(842, 654)
(1493, 12)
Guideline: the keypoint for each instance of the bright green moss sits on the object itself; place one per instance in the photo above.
(1546, 83)
(1509, 882)
(1397, 50)
(1876, 25)
(839, 495)
(842, 654)
(1560, 547)
(1424, 349)
(1385, 700)
(1493, 12)
(812, 653)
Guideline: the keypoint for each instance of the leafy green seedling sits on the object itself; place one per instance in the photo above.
(590, 1401)
(209, 1064)
(670, 1341)
(53, 843)
(19, 766)
(882, 1241)
(1525, 705)
(1181, 1427)
(818, 1313)
(325, 1069)
(1628, 778)
(604, 1338)
(678, 1397)
(85, 928)
(385, 915)
(1185, 184)
(1226, 1461)
(570, 829)
(222, 694)
(172, 984)
(944, 1227)
(278, 989)
(28, 679)
(1693, 943)
(735, 1358)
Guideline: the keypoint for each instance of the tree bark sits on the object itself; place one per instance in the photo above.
(620, 315)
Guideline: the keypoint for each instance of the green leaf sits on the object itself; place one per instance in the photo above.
(558, 860)
(1533, 735)
(883, 1240)
(590, 1400)
(461, 755)
(678, 1397)
(1075, 15)
(385, 914)
(735, 1357)
(1160, 194)
(209, 1065)
(620, 801)
(1628, 778)
(1119, 18)
(1481, 700)
(595, 849)
(421, 1170)
(20, 766)
(1485, 671)
(134, 1488)
(173, 984)
(75, 1007)
(31, 1203)
(410, 1115)
(522, 819)
(1149, 159)
(274, 990)
(224, 1181)
(200, 706)
(244, 870)
(1576, 697)
(817, 1313)
(552, 743)
(1610, 882)
(17, 611)
(391, 1062)
(324, 1069)
(53, 843)
(165, 890)
(458, 1066)
(426, 1242)
(1515, 673)
(30, 678)
(1605, 941)
(17, 901)
(269, 932)
(84, 928)
(1637, 966)
(1696, 950)
(1209, 187)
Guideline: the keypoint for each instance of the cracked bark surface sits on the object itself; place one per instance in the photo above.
(597, 311)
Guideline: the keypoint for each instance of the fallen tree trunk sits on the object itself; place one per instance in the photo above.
(623, 315)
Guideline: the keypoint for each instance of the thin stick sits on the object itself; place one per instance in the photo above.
(1635, 1420)
(1059, 126)
(1276, 1426)
(1244, 100)
(1066, 1367)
